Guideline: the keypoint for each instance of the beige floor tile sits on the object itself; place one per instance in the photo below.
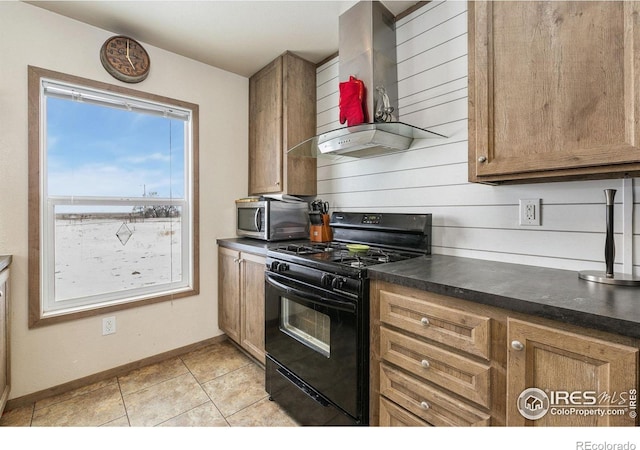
(236, 390)
(162, 401)
(45, 403)
(94, 408)
(148, 376)
(19, 417)
(215, 386)
(119, 422)
(206, 415)
(210, 362)
(265, 413)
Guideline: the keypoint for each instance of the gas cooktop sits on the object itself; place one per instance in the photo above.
(339, 253)
(360, 240)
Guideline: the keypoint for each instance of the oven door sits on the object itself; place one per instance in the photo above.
(314, 334)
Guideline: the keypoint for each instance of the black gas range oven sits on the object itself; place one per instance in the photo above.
(317, 314)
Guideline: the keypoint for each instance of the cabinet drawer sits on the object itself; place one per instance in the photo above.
(427, 403)
(456, 373)
(453, 327)
(392, 415)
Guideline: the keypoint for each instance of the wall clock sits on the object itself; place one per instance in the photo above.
(125, 59)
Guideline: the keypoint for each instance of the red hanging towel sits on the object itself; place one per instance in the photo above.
(352, 108)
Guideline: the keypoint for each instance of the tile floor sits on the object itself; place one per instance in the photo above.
(215, 386)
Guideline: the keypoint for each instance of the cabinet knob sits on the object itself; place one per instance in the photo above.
(425, 363)
(482, 159)
(424, 405)
(277, 183)
(517, 345)
(424, 321)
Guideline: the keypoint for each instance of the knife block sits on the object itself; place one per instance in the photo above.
(321, 233)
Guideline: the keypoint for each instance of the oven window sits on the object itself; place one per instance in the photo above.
(306, 325)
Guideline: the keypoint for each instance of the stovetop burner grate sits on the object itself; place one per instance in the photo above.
(337, 253)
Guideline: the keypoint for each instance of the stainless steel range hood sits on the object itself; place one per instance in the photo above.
(367, 50)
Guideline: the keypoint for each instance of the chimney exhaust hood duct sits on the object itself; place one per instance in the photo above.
(367, 50)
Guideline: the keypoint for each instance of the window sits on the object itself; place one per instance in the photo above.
(112, 198)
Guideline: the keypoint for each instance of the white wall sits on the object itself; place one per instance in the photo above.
(470, 220)
(55, 354)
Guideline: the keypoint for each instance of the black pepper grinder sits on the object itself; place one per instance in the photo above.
(609, 244)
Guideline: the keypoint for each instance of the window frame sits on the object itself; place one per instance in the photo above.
(37, 317)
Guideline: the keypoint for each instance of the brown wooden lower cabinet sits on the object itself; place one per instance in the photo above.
(241, 299)
(438, 365)
(392, 415)
(427, 403)
(4, 339)
(441, 361)
(252, 304)
(586, 380)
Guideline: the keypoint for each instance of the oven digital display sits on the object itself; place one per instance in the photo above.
(371, 219)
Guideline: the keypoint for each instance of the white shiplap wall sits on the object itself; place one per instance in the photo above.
(470, 220)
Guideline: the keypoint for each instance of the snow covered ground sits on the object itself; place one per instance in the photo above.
(91, 259)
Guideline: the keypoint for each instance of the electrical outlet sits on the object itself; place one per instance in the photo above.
(108, 325)
(530, 211)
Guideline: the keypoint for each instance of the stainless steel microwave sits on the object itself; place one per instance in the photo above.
(272, 220)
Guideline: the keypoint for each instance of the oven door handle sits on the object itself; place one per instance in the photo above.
(313, 298)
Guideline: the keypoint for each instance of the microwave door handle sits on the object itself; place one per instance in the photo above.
(256, 219)
(313, 298)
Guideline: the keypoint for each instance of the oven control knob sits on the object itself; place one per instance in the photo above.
(275, 265)
(337, 283)
(283, 267)
(326, 280)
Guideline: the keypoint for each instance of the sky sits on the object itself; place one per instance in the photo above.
(100, 151)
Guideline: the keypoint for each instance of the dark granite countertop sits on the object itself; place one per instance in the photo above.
(5, 261)
(249, 245)
(551, 293)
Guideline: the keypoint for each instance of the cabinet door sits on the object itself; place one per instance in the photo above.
(229, 292)
(393, 416)
(299, 123)
(552, 90)
(4, 340)
(265, 130)
(570, 369)
(253, 268)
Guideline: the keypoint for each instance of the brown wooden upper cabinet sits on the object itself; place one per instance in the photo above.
(282, 113)
(553, 90)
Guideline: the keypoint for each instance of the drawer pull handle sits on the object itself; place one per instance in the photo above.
(425, 363)
(424, 405)
(517, 345)
(424, 321)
